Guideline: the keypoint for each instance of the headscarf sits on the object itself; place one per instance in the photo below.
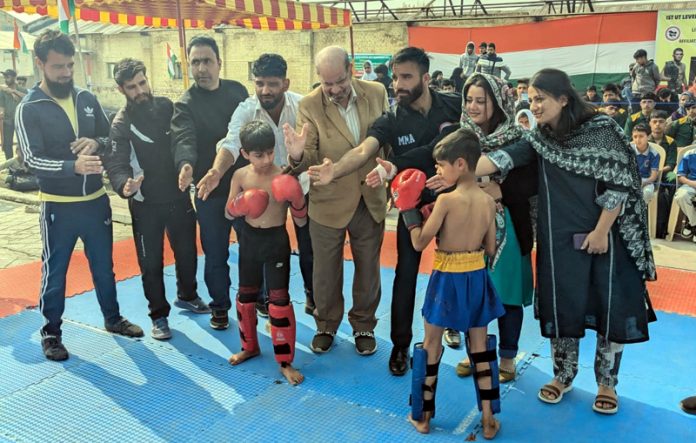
(371, 75)
(507, 130)
(530, 117)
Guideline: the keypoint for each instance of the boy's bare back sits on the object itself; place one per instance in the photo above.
(469, 220)
(247, 178)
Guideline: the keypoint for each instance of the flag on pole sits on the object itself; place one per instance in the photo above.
(16, 43)
(66, 9)
(171, 62)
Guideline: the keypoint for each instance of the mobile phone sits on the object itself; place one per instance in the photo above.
(579, 239)
(525, 97)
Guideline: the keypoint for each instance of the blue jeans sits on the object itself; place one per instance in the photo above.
(215, 239)
(61, 225)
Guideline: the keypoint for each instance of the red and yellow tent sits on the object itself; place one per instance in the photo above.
(196, 14)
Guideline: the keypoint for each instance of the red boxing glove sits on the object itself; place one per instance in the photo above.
(251, 203)
(407, 187)
(427, 210)
(286, 188)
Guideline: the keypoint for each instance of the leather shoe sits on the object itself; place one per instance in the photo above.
(398, 361)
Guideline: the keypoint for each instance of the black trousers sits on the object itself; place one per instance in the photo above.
(404, 290)
(150, 222)
(7, 139)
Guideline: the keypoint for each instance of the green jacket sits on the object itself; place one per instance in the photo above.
(683, 131)
(634, 120)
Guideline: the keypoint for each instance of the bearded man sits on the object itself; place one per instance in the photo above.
(141, 169)
(62, 130)
(421, 118)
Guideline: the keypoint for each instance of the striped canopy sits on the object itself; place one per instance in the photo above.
(254, 14)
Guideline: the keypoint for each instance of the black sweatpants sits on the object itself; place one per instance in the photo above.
(150, 222)
(264, 255)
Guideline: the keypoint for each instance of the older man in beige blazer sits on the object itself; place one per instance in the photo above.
(333, 120)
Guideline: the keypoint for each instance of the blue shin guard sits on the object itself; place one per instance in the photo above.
(420, 369)
(488, 356)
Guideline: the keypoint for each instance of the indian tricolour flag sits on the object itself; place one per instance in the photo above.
(66, 9)
(171, 62)
(594, 49)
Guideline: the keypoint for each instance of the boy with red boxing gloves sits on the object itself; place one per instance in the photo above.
(261, 193)
(460, 293)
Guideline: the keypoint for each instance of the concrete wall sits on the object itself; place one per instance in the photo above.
(238, 48)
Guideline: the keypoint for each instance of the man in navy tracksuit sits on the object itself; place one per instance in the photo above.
(61, 129)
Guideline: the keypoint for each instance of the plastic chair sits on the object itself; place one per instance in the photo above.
(675, 211)
(652, 205)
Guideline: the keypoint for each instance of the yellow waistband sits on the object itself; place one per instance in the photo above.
(44, 197)
(458, 261)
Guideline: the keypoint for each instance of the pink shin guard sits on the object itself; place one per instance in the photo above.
(282, 332)
(246, 315)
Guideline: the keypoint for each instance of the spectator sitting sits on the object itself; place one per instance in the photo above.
(457, 79)
(382, 72)
(522, 97)
(591, 95)
(658, 121)
(648, 161)
(683, 129)
(437, 75)
(647, 105)
(525, 119)
(435, 85)
(667, 101)
(686, 176)
(680, 111)
(447, 86)
(613, 109)
(368, 73)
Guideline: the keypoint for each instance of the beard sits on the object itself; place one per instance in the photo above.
(268, 105)
(58, 89)
(139, 103)
(411, 96)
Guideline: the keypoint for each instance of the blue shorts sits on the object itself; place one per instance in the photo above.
(460, 292)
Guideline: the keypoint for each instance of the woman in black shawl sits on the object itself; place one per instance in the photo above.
(593, 248)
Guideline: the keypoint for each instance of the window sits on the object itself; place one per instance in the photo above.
(110, 70)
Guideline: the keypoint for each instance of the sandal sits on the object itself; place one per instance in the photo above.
(553, 390)
(464, 368)
(606, 399)
(507, 376)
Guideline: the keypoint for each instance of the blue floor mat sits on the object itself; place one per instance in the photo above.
(115, 388)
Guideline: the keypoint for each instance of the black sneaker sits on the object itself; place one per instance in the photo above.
(365, 343)
(197, 305)
(261, 309)
(125, 328)
(219, 320)
(53, 348)
(398, 361)
(322, 341)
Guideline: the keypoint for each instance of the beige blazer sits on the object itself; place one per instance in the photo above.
(328, 136)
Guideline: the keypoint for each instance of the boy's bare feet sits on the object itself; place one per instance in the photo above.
(422, 426)
(243, 356)
(292, 375)
(490, 428)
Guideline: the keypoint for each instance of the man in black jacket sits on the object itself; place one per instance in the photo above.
(141, 169)
(421, 119)
(200, 120)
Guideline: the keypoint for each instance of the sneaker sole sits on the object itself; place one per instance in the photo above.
(219, 327)
(319, 350)
(162, 337)
(370, 352)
